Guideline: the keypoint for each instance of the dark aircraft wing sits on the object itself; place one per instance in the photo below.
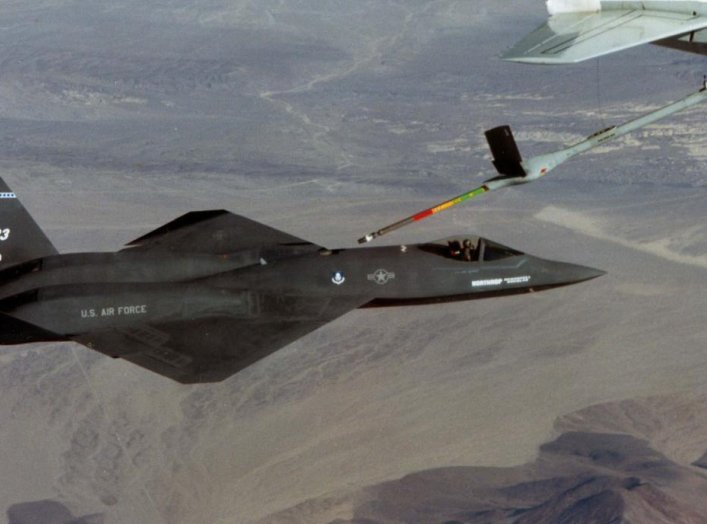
(215, 231)
(15, 331)
(212, 349)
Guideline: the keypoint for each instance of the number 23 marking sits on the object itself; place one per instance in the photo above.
(4, 234)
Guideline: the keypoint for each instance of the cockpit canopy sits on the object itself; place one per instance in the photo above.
(470, 249)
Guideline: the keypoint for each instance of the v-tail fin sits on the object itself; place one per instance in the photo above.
(21, 239)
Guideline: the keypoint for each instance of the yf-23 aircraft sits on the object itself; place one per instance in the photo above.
(210, 293)
(581, 29)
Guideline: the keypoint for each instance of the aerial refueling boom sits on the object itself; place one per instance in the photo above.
(513, 170)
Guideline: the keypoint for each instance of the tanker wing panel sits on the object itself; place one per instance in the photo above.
(574, 37)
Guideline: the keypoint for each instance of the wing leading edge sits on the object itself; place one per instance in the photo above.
(215, 232)
(574, 37)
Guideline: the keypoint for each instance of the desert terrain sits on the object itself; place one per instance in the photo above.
(328, 119)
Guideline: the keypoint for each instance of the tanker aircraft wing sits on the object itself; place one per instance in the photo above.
(569, 37)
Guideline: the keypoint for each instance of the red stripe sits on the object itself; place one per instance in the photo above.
(422, 215)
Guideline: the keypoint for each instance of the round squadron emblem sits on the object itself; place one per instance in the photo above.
(338, 278)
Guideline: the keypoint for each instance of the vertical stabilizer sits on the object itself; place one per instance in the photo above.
(20, 236)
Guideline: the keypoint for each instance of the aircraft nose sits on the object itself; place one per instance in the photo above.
(565, 273)
(588, 273)
(574, 273)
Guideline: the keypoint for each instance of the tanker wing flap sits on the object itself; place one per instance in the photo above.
(574, 37)
(213, 231)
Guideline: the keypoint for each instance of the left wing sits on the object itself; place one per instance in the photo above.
(574, 37)
(214, 348)
(215, 232)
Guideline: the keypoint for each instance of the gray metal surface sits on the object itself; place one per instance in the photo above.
(576, 35)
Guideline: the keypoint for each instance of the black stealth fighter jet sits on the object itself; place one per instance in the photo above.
(210, 293)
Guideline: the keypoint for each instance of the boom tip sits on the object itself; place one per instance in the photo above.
(367, 238)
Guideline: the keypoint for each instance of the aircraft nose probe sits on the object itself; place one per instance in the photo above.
(513, 170)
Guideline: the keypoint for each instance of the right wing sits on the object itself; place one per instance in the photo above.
(212, 348)
(574, 37)
(15, 331)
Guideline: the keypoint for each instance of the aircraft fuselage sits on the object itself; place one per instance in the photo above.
(79, 293)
